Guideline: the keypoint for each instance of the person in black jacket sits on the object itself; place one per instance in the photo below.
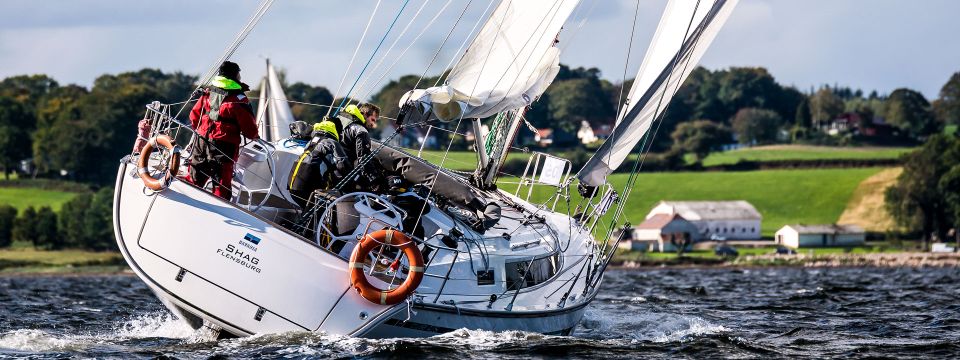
(322, 165)
(355, 122)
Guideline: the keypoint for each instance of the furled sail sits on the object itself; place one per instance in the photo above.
(510, 63)
(685, 32)
(273, 112)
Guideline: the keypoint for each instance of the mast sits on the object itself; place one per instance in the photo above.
(274, 115)
(685, 32)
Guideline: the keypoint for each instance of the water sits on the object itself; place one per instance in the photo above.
(650, 313)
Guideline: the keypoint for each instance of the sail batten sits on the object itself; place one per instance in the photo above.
(684, 33)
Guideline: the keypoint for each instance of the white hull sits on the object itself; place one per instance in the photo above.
(196, 252)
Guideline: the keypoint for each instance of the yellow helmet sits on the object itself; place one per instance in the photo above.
(328, 127)
(355, 111)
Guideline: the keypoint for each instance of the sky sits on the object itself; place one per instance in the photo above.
(868, 44)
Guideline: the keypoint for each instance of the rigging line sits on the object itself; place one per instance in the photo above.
(631, 181)
(228, 52)
(626, 64)
(527, 62)
(556, 9)
(363, 85)
(404, 52)
(580, 25)
(374, 53)
(471, 36)
(354, 56)
(444, 42)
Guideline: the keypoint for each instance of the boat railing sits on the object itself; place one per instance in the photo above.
(545, 170)
(161, 121)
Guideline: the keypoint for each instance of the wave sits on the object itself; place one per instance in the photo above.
(159, 324)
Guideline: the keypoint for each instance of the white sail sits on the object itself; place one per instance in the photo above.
(685, 32)
(273, 114)
(509, 64)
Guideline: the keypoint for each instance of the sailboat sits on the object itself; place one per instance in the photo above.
(451, 250)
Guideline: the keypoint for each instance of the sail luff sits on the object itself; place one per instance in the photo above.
(671, 58)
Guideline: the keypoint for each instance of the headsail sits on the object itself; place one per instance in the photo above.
(685, 32)
(273, 112)
(509, 64)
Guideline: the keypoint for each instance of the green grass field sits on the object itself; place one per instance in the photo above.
(801, 152)
(20, 197)
(810, 196)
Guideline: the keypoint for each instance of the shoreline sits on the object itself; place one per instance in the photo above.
(870, 260)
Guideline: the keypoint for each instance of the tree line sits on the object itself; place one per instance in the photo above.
(79, 133)
(84, 222)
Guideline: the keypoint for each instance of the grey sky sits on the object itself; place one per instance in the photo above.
(868, 44)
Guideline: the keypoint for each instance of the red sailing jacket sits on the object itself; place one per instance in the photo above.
(235, 115)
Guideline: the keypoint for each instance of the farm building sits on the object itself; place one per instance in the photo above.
(662, 233)
(716, 219)
(797, 236)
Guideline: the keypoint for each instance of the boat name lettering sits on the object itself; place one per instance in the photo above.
(241, 257)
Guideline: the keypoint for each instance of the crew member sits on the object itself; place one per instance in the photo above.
(222, 114)
(322, 165)
(355, 122)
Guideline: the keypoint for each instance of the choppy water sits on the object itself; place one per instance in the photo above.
(652, 313)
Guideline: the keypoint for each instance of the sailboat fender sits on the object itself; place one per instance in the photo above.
(172, 167)
(358, 280)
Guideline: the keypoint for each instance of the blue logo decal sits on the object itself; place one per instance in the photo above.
(249, 237)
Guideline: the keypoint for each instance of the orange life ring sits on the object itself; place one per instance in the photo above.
(144, 161)
(358, 280)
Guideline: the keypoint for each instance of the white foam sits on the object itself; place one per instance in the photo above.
(152, 325)
(36, 341)
(646, 326)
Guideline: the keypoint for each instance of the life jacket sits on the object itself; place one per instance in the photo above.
(316, 168)
(219, 89)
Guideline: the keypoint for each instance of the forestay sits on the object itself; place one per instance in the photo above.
(510, 63)
(273, 112)
(685, 32)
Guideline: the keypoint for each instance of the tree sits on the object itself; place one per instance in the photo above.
(575, 100)
(803, 118)
(756, 126)
(825, 106)
(27, 89)
(310, 94)
(947, 106)
(98, 222)
(47, 236)
(950, 187)
(910, 111)
(71, 221)
(24, 226)
(7, 216)
(700, 138)
(15, 123)
(919, 201)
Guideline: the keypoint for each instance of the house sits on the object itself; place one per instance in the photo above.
(662, 233)
(544, 137)
(716, 219)
(588, 134)
(797, 236)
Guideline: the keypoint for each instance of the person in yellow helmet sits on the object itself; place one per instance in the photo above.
(356, 121)
(322, 165)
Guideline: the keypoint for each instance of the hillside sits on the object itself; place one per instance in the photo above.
(21, 197)
(811, 196)
(866, 206)
(802, 152)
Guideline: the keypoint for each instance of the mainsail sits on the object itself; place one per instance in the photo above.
(273, 112)
(685, 32)
(510, 63)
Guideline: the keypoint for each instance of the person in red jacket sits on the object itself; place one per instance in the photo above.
(222, 114)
